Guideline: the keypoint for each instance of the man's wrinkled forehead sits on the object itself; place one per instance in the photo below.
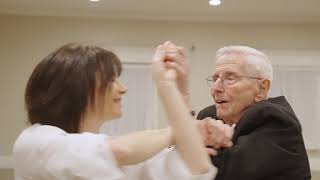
(232, 62)
(232, 57)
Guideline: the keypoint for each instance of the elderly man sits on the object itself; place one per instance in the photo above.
(267, 140)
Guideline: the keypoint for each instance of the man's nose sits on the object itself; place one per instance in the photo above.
(218, 85)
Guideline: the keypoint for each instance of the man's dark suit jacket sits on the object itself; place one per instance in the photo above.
(268, 144)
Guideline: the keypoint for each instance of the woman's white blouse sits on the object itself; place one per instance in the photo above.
(47, 152)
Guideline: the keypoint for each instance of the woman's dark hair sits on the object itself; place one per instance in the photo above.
(64, 83)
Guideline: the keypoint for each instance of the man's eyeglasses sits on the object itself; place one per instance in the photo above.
(226, 78)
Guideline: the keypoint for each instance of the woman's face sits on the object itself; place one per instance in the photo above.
(113, 100)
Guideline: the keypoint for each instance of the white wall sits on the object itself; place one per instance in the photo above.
(25, 40)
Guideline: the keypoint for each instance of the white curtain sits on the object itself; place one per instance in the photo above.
(139, 103)
(301, 87)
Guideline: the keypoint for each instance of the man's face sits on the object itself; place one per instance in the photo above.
(232, 91)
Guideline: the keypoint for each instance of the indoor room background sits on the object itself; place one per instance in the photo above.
(294, 49)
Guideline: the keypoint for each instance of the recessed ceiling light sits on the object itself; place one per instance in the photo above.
(215, 2)
(94, 0)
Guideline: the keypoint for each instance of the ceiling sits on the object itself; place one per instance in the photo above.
(184, 10)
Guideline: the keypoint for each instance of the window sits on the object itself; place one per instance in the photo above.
(139, 103)
(297, 77)
(301, 87)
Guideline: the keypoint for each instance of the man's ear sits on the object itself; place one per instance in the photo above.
(263, 89)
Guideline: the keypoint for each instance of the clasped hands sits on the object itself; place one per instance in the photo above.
(170, 65)
(215, 134)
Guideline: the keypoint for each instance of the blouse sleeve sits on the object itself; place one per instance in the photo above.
(84, 156)
(46, 152)
(166, 165)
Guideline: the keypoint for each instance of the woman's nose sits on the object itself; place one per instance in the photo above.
(122, 88)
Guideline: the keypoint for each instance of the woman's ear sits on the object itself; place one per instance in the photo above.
(263, 89)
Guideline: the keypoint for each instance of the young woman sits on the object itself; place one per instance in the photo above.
(75, 89)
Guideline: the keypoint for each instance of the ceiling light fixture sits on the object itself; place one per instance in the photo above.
(215, 2)
(94, 0)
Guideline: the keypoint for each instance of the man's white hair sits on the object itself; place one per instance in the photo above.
(258, 61)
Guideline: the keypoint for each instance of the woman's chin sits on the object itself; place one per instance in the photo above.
(117, 115)
(113, 116)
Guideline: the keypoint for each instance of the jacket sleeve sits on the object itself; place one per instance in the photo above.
(268, 142)
(209, 111)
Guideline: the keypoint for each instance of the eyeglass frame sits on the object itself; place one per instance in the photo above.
(211, 81)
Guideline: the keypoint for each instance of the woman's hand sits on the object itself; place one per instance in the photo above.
(176, 59)
(162, 75)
